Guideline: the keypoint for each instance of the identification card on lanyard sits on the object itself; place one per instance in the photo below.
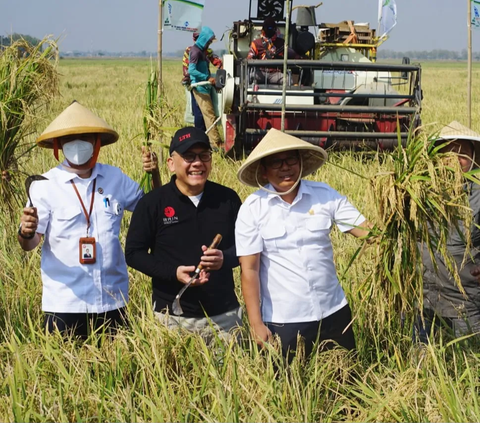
(87, 251)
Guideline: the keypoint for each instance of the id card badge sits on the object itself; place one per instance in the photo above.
(87, 250)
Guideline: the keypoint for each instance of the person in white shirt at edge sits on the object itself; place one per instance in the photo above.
(81, 206)
(289, 281)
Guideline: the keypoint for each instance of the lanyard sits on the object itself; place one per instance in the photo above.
(87, 215)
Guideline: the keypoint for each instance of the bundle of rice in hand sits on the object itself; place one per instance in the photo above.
(419, 201)
(28, 81)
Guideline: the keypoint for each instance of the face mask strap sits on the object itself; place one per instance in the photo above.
(96, 151)
(55, 148)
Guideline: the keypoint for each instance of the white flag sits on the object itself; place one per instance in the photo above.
(387, 16)
(475, 14)
(183, 15)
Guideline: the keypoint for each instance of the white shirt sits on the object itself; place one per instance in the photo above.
(68, 286)
(298, 281)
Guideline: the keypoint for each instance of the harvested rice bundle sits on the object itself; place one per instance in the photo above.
(418, 202)
(28, 81)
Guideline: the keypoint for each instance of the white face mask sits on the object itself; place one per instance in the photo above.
(78, 152)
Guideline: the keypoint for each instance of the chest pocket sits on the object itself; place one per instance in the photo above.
(112, 217)
(109, 207)
(316, 224)
(65, 219)
(66, 213)
(272, 235)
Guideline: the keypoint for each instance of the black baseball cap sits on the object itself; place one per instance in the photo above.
(186, 138)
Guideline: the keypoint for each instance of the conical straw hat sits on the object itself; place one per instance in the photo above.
(77, 119)
(277, 142)
(456, 131)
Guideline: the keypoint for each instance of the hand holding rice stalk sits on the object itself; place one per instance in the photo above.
(418, 202)
(157, 112)
(28, 81)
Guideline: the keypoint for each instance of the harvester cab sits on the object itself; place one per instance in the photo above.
(335, 93)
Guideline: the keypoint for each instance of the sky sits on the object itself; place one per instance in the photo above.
(132, 25)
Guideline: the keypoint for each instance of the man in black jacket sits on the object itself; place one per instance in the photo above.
(169, 233)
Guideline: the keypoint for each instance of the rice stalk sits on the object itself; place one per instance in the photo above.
(157, 112)
(149, 127)
(28, 82)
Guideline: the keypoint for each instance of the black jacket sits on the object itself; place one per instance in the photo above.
(167, 230)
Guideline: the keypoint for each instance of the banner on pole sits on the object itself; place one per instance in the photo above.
(183, 15)
(475, 14)
(387, 16)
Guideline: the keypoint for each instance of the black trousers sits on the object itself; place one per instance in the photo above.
(83, 324)
(330, 329)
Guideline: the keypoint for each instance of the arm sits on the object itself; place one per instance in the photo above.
(359, 231)
(292, 54)
(347, 217)
(185, 62)
(141, 241)
(192, 67)
(253, 52)
(230, 254)
(214, 59)
(251, 294)
(230, 258)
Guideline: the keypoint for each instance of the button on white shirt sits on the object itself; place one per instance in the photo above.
(298, 280)
(68, 286)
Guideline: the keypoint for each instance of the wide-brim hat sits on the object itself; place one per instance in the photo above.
(456, 131)
(313, 157)
(77, 119)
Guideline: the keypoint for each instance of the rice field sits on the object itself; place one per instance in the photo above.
(147, 373)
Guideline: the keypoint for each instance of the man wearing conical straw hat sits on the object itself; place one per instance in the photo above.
(289, 280)
(78, 207)
(444, 303)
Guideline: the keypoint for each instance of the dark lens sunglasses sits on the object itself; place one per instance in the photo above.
(278, 163)
(204, 156)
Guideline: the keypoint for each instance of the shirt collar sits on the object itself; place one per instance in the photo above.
(304, 189)
(179, 193)
(66, 176)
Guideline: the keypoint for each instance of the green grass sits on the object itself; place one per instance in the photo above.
(150, 374)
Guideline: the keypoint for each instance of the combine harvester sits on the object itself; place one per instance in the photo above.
(336, 96)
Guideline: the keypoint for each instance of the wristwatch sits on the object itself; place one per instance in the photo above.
(25, 236)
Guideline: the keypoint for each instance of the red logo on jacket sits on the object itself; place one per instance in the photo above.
(169, 211)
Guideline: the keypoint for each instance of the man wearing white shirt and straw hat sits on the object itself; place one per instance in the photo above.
(77, 211)
(289, 280)
(444, 304)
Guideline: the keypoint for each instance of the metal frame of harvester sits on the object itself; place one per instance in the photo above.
(336, 96)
